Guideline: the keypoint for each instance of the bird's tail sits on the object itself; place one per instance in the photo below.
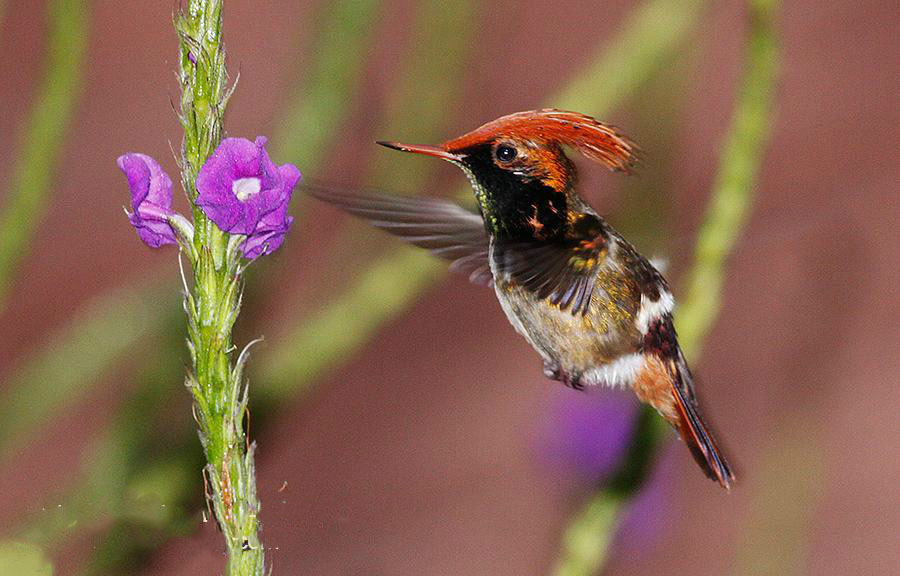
(694, 430)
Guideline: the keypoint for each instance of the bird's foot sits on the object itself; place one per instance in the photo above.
(573, 382)
(555, 372)
(552, 371)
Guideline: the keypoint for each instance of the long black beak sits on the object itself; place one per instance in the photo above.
(435, 151)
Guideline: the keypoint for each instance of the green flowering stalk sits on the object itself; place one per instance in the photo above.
(240, 200)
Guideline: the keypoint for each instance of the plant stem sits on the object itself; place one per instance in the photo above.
(220, 398)
(43, 136)
(587, 539)
(729, 206)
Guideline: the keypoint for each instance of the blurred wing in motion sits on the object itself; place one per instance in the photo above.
(556, 272)
(441, 227)
(563, 272)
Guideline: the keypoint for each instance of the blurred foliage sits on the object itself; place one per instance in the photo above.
(43, 136)
(119, 475)
(324, 339)
(343, 33)
(586, 541)
(739, 165)
(54, 378)
(646, 42)
(24, 559)
(422, 95)
(775, 535)
(141, 476)
(138, 469)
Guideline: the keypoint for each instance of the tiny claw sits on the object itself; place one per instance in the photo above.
(554, 372)
(573, 382)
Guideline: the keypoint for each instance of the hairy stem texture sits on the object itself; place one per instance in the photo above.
(212, 304)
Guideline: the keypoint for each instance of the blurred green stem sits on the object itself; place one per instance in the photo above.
(43, 135)
(326, 91)
(105, 328)
(420, 96)
(647, 39)
(732, 197)
(587, 539)
(423, 93)
(325, 338)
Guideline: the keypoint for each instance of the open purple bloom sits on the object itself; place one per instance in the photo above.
(244, 192)
(151, 199)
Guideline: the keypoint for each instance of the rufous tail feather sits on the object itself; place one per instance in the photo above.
(694, 430)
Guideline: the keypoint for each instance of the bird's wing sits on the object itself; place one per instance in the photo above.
(565, 271)
(441, 227)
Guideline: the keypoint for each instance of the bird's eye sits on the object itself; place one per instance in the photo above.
(506, 153)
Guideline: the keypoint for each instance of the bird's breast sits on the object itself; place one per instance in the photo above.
(577, 342)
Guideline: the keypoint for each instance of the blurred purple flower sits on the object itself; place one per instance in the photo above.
(244, 192)
(151, 199)
(589, 432)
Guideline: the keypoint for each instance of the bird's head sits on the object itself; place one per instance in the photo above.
(522, 178)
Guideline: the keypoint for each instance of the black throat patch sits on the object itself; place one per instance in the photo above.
(515, 206)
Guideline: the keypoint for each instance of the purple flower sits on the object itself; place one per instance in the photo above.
(269, 233)
(588, 433)
(151, 199)
(244, 192)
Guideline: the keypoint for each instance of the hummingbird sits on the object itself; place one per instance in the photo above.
(594, 309)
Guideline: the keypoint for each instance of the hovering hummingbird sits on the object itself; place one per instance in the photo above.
(596, 311)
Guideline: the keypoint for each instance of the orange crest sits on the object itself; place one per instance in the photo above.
(595, 140)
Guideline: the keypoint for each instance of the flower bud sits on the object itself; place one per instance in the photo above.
(151, 199)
